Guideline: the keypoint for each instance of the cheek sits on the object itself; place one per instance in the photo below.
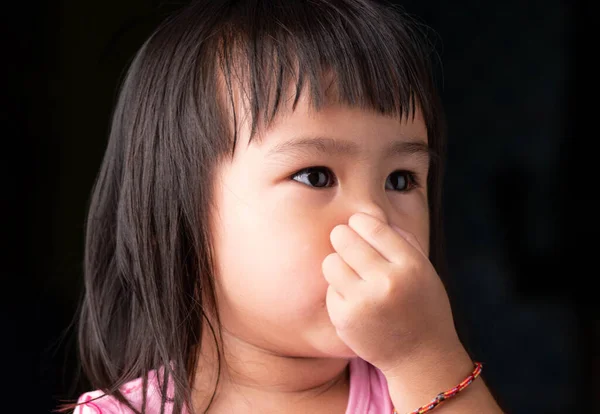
(269, 263)
(414, 218)
(421, 230)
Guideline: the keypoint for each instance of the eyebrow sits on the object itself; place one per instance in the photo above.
(332, 147)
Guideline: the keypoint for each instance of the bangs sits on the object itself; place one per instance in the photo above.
(367, 55)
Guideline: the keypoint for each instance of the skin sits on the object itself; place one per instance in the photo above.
(309, 277)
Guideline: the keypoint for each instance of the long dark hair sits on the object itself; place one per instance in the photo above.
(148, 255)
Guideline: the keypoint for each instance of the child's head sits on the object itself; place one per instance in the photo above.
(204, 209)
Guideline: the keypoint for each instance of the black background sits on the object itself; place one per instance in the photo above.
(520, 200)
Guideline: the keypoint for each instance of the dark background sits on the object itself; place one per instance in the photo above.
(520, 199)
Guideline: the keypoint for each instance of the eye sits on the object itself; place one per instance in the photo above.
(403, 181)
(318, 177)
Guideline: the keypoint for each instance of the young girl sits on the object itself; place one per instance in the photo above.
(265, 232)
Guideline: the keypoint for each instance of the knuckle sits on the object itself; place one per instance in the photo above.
(406, 265)
(408, 279)
(363, 303)
(389, 283)
(377, 230)
(345, 321)
(413, 266)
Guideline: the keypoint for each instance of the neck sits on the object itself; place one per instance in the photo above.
(257, 376)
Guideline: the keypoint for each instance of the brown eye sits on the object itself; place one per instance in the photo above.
(318, 177)
(403, 181)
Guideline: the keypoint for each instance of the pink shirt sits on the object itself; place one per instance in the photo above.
(368, 394)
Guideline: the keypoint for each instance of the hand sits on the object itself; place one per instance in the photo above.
(385, 298)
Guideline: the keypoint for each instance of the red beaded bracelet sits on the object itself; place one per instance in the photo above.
(443, 396)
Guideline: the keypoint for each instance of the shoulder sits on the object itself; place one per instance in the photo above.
(97, 402)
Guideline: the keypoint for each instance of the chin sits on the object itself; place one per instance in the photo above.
(323, 341)
(334, 347)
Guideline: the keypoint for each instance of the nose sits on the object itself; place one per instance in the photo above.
(374, 210)
(369, 203)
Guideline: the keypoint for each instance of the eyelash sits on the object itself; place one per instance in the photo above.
(413, 181)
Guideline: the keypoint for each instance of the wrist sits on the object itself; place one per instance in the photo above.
(430, 359)
(420, 378)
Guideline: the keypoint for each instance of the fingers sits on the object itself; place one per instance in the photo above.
(339, 275)
(412, 239)
(389, 243)
(358, 254)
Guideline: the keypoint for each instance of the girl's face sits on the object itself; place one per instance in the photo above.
(277, 201)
